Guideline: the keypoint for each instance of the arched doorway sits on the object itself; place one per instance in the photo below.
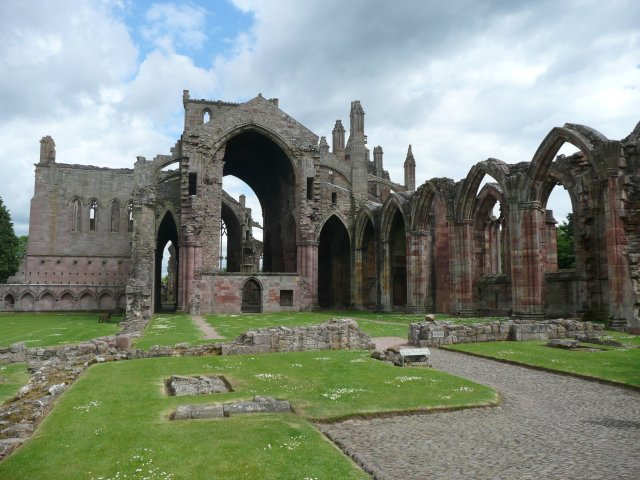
(251, 297)
(334, 265)
(368, 270)
(166, 286)
(259, 162)
(398, 261)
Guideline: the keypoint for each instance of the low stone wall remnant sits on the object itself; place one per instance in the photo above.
(335, 334)
(433, 333)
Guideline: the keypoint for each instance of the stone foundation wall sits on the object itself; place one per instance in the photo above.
(335, 334)
(434, 333)
(224, 290)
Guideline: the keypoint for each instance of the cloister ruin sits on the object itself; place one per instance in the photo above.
(337, 231)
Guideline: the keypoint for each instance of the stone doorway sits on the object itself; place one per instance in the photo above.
(251, 297)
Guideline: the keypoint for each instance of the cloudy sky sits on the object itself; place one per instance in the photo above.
(459, 80)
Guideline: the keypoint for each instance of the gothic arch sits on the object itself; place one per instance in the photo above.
(466, 197)
(584, 138)
(252, 291)
(394, 202)
(366, 215)
(326, 218)
(287, 149)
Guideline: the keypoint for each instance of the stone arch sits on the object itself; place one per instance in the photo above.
(466, 197)
(9, 301)
(76, 214)
(252, 296)
(93, 214)
(326, 218)
(364, 217)
(394, 202)
(27, 301)
(46, 301)
(223, 140)
(206, 115)
(66, 300)
(366, 260)
(87, 300)
(234, 237)
(584, 138)
(266, 163)
(334, 264)
(166, 231)
(394, 248)
(106, 301)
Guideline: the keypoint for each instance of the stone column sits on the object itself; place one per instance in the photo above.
(621, 295)
(385, 278)
(462, 267)
(308, 267)
(356, 279)
(418, 271)
(527, 263)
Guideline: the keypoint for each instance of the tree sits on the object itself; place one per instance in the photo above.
(566, 247)
(8, 245)
(22, 246)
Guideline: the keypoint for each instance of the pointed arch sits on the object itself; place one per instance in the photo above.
(466, 196)
(365, 216)
(66, 300)
(584, 138)
(334, 264)
(87, 300)
(76, 214)
(326, 218)
(27, 300)
(9, 301)
(252, 296)
(366, 260)
(395, 202)
(106, 301)
(93, 215)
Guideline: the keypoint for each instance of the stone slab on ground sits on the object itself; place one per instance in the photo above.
(259, 404)
(548, 426)
(178, 385)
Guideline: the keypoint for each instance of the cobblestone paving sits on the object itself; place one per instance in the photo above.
(548, 427)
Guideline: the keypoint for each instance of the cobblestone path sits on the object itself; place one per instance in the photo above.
(548, 427)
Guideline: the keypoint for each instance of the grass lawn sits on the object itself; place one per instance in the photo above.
(48, 329)
(169, 329)
(616, 364)
(115, 418)
(12, 378)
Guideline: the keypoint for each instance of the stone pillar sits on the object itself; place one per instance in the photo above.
(418, 271)
(550, 243)
(357, 269)
(308, 267)
(621, 295)
(462, 267)
(385, 278)
(527, 263)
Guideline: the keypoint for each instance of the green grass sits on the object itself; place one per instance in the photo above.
(169, 329)
(12, 378)
(48, 329)
(118, 410)
(615, 364)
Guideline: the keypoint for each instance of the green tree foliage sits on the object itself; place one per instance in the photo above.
(566, 248)
(22, 246)
(8, 245)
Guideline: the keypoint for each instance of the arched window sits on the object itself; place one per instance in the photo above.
(130, 216)
(206, 115)
(115, 215)
(93, 215)
(75, 216)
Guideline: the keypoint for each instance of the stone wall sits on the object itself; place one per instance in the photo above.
(335, 334)
(435, 333)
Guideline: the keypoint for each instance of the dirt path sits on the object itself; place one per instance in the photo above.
(382, 343)
(208, 332)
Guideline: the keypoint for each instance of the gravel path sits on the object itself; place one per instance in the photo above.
(208, 332)
(548, 427)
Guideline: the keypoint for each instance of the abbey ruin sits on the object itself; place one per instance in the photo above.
(337, 231)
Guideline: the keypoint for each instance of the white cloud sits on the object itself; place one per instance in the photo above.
(170, 25)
